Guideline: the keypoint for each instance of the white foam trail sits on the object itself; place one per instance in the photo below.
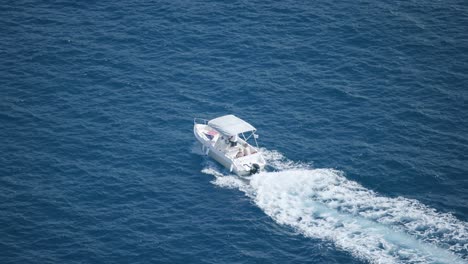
(311, 201)
(322, 203)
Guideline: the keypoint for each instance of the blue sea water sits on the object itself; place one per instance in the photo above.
(360, 106)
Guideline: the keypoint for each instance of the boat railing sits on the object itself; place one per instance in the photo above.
(202, 121)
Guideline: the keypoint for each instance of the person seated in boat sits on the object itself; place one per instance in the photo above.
(246, 150)
(240, 153)
(233, 140)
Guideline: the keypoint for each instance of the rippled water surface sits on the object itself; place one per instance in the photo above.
(360, 107)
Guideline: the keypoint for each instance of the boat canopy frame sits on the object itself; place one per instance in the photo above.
(230, 125)
(252, 134)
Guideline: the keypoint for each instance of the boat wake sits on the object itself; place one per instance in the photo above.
(323, 204)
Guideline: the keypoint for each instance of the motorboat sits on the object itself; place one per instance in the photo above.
(226, 139)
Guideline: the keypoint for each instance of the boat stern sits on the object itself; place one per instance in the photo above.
(251, 164)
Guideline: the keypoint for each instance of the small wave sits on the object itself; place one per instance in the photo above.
(226, 181)
(196, 148)
(322, 203)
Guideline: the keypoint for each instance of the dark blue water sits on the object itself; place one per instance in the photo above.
(360, 107)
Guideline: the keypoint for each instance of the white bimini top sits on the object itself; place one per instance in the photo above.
(230, 125)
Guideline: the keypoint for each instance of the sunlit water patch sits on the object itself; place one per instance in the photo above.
(324, 204)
